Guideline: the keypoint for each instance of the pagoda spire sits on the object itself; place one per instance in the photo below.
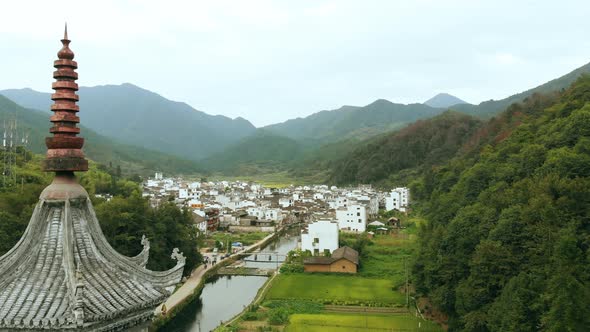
(64, 148)
(63, 275)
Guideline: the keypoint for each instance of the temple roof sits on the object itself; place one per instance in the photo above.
(63, 274)
(341, 253)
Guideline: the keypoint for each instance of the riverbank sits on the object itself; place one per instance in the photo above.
(259, 297)
(191, 289)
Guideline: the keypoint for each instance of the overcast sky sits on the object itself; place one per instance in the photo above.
(269, 61)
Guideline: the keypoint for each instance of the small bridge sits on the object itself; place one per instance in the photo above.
(244, 271)
(264, 257)
(262, 261)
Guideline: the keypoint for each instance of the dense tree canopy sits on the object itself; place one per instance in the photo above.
(420, 145)
(124, 219)
(507, 244)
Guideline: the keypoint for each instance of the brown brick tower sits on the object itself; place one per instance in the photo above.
(64, 154)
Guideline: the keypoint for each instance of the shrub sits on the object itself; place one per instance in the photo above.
(291, 268)
(250, 316)
(278, 316)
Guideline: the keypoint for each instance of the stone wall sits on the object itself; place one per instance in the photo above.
(249, 229)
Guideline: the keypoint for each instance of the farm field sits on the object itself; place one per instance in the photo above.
(332, 289)
(358, 323)
(385, 257)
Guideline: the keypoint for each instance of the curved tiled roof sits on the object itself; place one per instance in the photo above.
(343, 252)
(63, 274)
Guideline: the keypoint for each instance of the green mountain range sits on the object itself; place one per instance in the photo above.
(330, 140)
(353, 122)
(262, 152)
(139, 117)
(423, 144)
(490, 108)
(105, 150)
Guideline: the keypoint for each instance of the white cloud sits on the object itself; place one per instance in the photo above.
(270, 60)
(506, 59)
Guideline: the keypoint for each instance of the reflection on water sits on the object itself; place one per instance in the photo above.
(221, 299)
(275, 249)
(224, 297)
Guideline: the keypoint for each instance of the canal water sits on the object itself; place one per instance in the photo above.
(226, 296)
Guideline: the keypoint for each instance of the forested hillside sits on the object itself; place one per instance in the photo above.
(135, 116)
(258, 153)
(490, 108)
(131, 159)
(353, 122)
(506, 245)
(421, 145)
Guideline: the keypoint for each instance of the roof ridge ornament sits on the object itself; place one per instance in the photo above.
(145, 242)
(178, 256)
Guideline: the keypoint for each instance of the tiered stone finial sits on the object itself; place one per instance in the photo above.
(64, 154)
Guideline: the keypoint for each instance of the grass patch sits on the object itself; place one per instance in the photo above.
(384, 254)
(385, 257)
(356, 322)
(295, 306)
(333, 289)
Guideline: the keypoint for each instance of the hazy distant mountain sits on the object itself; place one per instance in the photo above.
(261, 152)
(443, 100)
(132, 159)
(140, 117)
(492, 107)
(29, 98)
(354, 122)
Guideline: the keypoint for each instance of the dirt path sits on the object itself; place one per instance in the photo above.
(188, 288)
(361, 309)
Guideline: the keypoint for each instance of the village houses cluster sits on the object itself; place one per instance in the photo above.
(241, 206)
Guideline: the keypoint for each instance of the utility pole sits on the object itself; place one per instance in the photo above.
(4, 155)
(407, 283)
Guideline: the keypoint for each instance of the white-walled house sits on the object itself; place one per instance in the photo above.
(371, 203)
(320, 236)
(273, 214)
(200, 221)
(318, 196)
(352, 218)
(263, 213)
(256, 211)
(152, 183)
(286, 202)
(397, 199)
(338, 202)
